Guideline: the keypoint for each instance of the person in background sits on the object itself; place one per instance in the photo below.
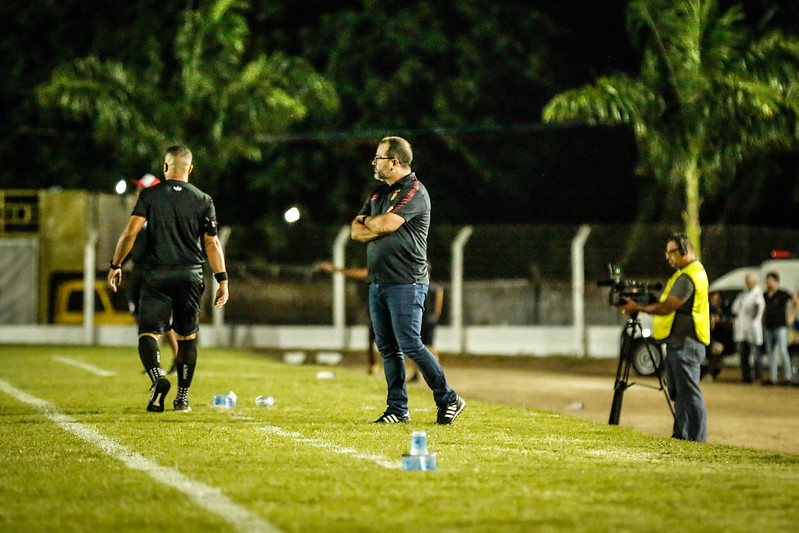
(394, 222)
(720, 318)
(358, 274)
(138, 255)
(182, 231)
(748, 328)
(775, 329)
(433, 306)
(682, 321)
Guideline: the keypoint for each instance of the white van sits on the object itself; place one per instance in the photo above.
(733, 282)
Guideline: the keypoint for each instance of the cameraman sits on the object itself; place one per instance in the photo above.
(682, 321)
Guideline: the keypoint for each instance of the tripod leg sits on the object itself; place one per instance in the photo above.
(622, 376)
(618, 397)
(662, 382)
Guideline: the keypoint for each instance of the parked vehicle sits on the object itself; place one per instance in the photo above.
(732, 283)
(109, 307)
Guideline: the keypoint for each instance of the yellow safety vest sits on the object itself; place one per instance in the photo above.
(700, 312)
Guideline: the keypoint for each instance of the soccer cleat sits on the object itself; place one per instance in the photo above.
(181, 406)
(158, 395)
(448, 412)
(391, 418)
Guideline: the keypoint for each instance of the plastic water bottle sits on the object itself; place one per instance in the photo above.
(264, 401)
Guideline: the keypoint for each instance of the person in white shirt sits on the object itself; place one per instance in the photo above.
(748, 328)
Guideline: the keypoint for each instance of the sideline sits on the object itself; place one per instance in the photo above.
(84, 366)
(204, 496)
(318, 443)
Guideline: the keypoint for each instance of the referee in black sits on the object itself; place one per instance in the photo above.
(179, 218)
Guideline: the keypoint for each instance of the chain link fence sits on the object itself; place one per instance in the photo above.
(513, 274)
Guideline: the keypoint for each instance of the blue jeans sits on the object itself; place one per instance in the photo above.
(776, 341)
(396, 311)
(682, 373)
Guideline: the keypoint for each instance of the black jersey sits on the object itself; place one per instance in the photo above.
(178, 215)
(400, 256)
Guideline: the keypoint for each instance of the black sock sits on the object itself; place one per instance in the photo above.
(185, 361)
(150, 357)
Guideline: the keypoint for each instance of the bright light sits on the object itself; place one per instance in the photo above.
(121, 187)
(292, 215)
(646, 332)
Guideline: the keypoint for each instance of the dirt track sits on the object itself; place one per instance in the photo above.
(749, 415)
(753, 416)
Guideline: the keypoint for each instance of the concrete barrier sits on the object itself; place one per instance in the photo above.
(603, 341)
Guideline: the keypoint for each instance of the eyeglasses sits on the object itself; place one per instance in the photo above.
(382, 157)
(672, 251)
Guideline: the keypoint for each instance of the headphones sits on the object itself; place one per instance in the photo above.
(681, 239)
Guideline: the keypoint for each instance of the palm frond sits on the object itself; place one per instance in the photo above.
(610, 101)
(108, 95)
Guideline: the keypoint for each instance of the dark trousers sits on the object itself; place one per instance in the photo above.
(748, 350)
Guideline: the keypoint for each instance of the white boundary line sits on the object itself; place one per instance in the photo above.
(318, 443)
(204, 496)
(85, 366)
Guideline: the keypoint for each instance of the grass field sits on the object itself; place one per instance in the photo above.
(79, 453)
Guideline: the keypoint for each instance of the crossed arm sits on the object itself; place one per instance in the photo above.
(367, 228)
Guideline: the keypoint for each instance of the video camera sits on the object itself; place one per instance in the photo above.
(623, 289)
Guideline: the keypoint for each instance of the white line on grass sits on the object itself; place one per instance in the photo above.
(85, 366)
(209, 498)
(318, 443)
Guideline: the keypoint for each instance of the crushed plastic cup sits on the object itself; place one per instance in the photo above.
(230, 400)
(294, 358)
(225, 400)
(264, 401)
(328, 358)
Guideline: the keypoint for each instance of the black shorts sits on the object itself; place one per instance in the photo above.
(134, 281)
(171, 293)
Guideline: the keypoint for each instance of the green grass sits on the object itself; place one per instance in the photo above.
(499, 468)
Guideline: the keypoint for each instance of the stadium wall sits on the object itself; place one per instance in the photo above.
(603, 341)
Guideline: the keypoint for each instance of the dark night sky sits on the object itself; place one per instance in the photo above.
(599, 185)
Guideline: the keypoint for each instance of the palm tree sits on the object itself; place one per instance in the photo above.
(709, 94)
(210, 96)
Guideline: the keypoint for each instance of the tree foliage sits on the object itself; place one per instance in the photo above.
(708, 95)
(210, 93)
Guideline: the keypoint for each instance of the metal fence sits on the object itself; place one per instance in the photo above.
(513, 274)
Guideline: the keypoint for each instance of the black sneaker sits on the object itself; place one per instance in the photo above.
(158, 395)
(182, 405)
(391, 418)
(448, 412)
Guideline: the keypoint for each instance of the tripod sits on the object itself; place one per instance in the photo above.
(626, 354)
